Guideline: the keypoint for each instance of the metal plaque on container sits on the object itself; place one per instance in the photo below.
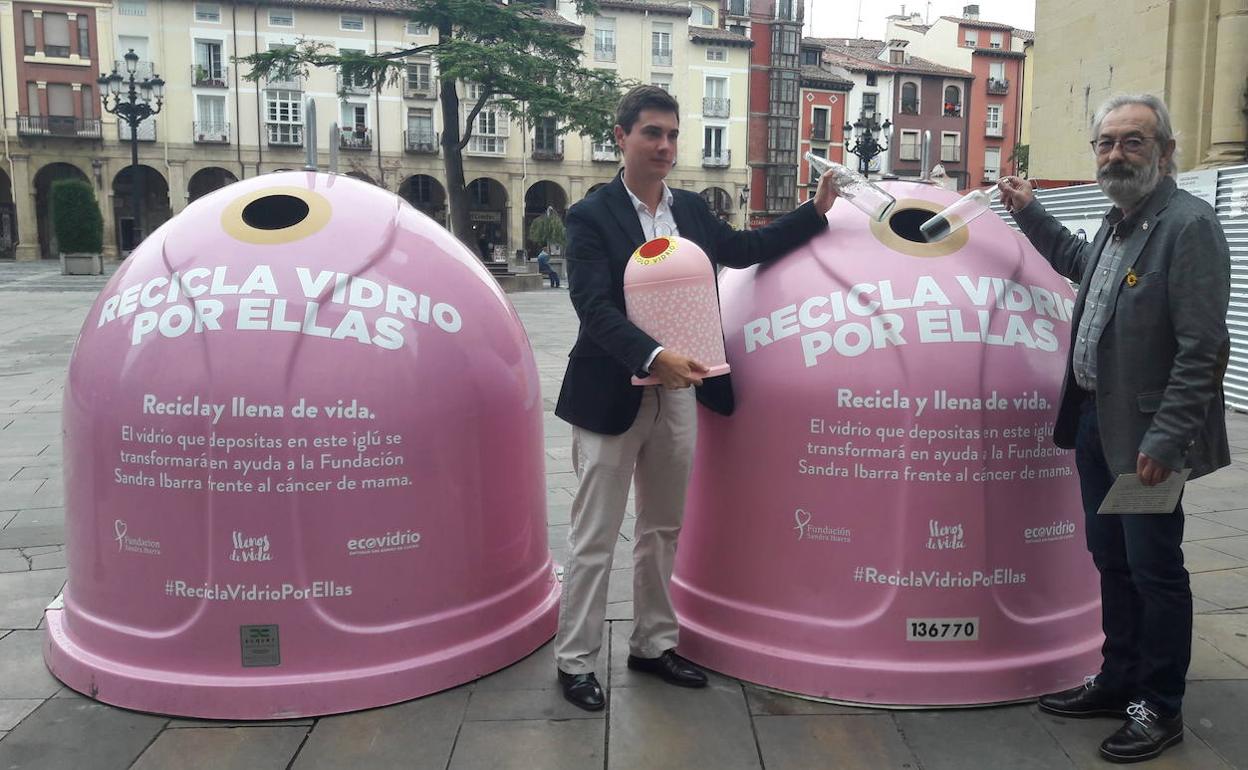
(260, 646)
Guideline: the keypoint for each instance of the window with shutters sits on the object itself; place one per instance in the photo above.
(56, 35)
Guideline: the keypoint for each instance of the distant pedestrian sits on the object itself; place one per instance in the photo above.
(543, 267)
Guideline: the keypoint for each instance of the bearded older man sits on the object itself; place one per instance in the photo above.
(1143, 394)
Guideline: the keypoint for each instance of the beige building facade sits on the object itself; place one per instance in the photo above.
(215, 127)
(1191, 53)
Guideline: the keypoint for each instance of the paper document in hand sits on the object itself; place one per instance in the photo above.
(1129, 495)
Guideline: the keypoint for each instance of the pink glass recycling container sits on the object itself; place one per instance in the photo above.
(669, 291)
(303, 463)
(884, 519)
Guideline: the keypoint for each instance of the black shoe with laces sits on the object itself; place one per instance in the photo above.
(1089, 699)
(671, 668)
(582, 690)
(1145, 735)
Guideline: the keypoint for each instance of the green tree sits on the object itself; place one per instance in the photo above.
(76, 217)
(524, 64)
(548, 229)
(1020, 157)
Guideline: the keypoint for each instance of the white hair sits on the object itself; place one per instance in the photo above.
(1165, 131)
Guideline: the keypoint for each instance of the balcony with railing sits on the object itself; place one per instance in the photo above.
(418, 89)
(994, 129)
(145, 133)
(356, 139)
(950, 153)
(143, 70)
(604, 52)
(548, 150)
(820, 133)
(716, 107)
(996, 86)
(713, 159)
(209, 132)
(210, 76)
(67, 127)
(420, 142)
(350, 85)
(285, 134)
(601, 154)
(284, 81)
(662, 57)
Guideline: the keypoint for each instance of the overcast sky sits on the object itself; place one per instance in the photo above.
(840, 18)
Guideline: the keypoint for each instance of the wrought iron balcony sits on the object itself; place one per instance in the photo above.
(712, 159)
(351, 86)
(284, 81)
(604, 52)
(67, 127)
(421, 142)
(998, 86)
(716, 107)
(211, 76)
(548, 150)
(285, 134)
(417, 90)
(142, 70)
(356, 139)
(146, 131)
(994, 129)
(820, 133)
(662, 58)
(211, 133)
(604, 155)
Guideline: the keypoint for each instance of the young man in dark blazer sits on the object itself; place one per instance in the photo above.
(621, 430)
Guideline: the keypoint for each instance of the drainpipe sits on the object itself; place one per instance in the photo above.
(238, 105)
(925, 157)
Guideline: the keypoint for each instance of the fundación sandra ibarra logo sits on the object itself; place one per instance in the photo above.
(133, 544)
(808, 531)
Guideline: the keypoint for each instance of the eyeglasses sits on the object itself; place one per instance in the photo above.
(1132, 144)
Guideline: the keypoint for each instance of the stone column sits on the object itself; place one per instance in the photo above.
(24, 201)
(515, 213)
(177, 187)
(104, 190)
(1228, 124)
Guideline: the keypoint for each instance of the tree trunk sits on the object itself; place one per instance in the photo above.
(453, 162)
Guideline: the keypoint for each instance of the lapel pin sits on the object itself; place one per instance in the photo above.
(1132, 278)
(1145, 225)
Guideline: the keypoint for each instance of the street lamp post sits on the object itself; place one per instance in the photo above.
(866, 141)
(133, 105)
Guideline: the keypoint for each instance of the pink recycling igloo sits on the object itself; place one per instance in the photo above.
(303, 463)
(884, 519)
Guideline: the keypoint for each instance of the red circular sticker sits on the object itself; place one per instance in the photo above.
(654, 248)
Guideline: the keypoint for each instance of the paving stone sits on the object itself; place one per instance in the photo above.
(22, 672)
(1215, 499)
(832, 742)
(537, 671)
(1227, 588)
(1081, 739)
(1202, 557)
(621, 676)
(1200, 528)
(15, 495)
(39, 517)
(1215, 712)
(46, 561)
(574, 744)
(415, 735)
(12, 560)
(14, 710)
(763, 702)
(222, 748)
(189, 724)
(513, 705)
(1233, 546)
(1208, 662)
(1237, 519)
(986, 737)
(24, 595)
(21, 537)
(675, 727)
(1226, 632)
(78, 733)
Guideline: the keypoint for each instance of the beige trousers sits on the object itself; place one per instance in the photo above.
(658, 450)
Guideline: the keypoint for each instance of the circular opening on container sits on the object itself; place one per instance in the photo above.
(275, 212)
(906, 222)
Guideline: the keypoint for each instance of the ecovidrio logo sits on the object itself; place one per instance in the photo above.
(397, 540)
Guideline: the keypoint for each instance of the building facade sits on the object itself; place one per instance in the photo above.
(216, 127)
(824, 97)
(1191, 53)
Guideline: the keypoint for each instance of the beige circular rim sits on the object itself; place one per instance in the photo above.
(942, 248)
(318, 216)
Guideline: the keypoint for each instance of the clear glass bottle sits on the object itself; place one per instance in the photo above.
(957, 215)
(855, 188)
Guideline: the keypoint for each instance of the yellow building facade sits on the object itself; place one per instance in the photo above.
(215, 127)
(1191, 53)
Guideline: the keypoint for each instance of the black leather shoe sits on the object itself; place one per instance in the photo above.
(1089, 699)
(582, 690)
(671, 668)
(1145, 735)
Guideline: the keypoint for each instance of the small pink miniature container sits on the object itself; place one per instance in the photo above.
(670, 294)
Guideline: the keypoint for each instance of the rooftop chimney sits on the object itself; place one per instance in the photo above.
(971, 12)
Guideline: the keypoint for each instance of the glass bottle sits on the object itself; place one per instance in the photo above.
(855, 188)
(958, 215)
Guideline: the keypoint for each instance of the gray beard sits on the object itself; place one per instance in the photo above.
(1127, 191)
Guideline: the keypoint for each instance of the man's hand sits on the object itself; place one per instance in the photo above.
(825, 196)
(1016, 193)
(676, 371)
(1150, 471)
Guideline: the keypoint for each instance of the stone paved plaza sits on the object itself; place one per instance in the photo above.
(516, 718)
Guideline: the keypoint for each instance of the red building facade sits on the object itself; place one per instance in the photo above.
(824, 97)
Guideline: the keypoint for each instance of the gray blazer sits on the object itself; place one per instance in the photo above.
(1165, 347)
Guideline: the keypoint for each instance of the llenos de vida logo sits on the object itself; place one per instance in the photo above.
(398, 540)
(1058, 530)
(250, 548)
(133, 544)
(808, 531)
(944, 537)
